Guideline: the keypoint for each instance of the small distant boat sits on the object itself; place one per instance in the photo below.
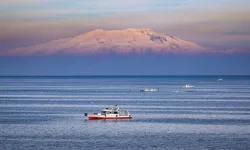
(150, 90)
(187, 86)
(220, 79)
(110, 113)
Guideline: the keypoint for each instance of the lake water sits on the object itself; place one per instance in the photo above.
(48, 112)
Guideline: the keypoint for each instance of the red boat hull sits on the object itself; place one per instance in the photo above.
(108, 118)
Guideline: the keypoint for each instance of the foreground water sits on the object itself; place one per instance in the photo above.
(48, 113)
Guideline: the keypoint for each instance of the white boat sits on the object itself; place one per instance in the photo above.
(187, 86)
(220, 79)
(150, 90)
(110, 113)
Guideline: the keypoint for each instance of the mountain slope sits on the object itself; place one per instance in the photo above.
(114, 41)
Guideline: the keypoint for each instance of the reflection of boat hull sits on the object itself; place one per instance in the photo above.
(99, 117)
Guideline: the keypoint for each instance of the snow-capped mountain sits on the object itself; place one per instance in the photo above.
(114, 41)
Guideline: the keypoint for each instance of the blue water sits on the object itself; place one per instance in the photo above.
(48, 112)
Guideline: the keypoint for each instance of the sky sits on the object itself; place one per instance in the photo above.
(214, 23)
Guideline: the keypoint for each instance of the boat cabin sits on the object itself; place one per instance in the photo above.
(114, 111)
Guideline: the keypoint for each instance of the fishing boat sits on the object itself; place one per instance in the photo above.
(187, 86)
(110, 113)
(150, 90)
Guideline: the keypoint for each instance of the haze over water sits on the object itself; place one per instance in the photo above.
(48, 112)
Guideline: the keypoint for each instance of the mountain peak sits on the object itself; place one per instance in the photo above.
(139, 29)
(135, 30)
(131, 40)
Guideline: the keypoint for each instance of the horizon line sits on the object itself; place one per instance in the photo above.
(122, 75)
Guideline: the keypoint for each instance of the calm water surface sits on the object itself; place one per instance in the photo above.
(48, 113)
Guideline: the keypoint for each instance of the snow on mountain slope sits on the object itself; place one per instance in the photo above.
(114, 41)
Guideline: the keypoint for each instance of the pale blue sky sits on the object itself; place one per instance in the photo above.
(37, 9)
